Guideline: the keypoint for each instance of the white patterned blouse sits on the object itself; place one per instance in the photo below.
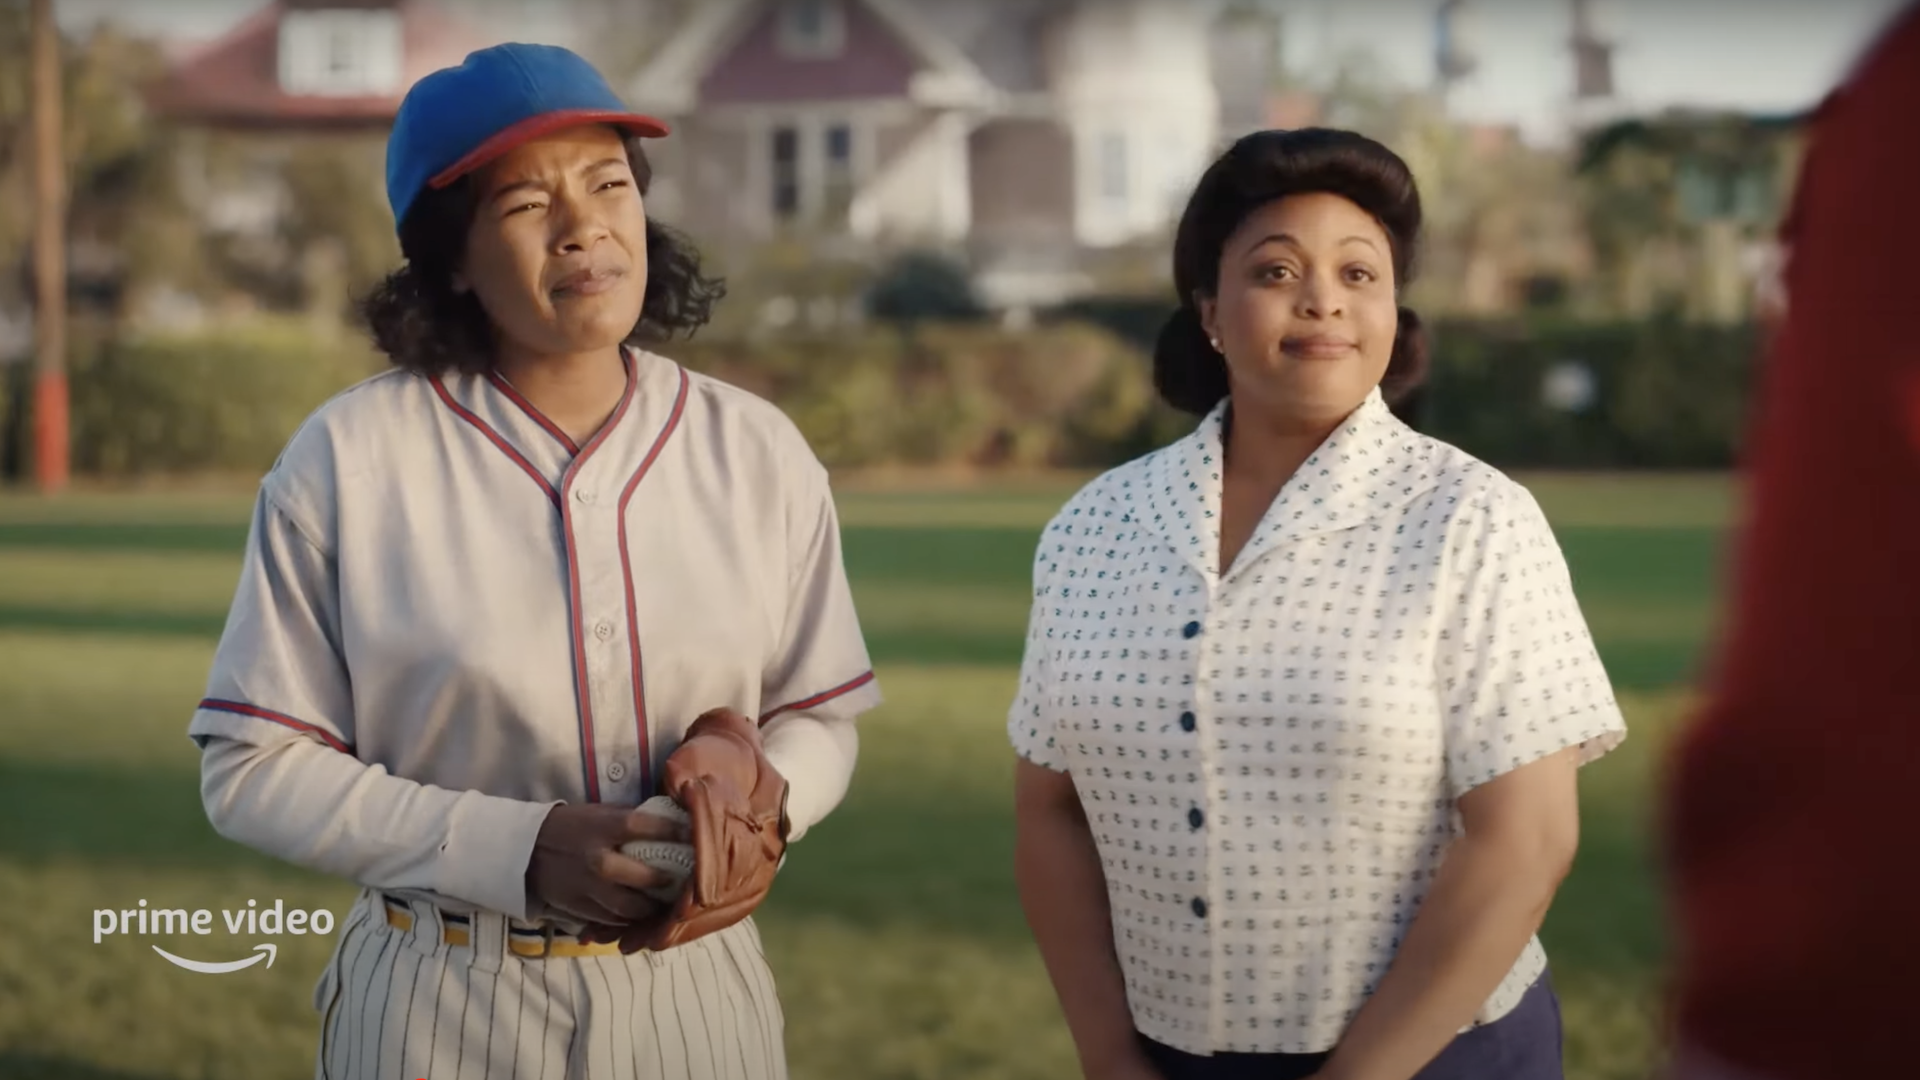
(1269, 758)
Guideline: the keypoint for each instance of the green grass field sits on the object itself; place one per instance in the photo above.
(895, 932)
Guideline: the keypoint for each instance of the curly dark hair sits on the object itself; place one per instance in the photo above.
(1259, 168)
(423, 325)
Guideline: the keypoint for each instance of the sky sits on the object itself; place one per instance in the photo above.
(1755, 55)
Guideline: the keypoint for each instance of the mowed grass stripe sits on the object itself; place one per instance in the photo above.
(895, 931)
(925, 595)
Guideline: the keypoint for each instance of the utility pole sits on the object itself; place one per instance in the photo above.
(51, 444)
(1456, 46)
(1594, 91)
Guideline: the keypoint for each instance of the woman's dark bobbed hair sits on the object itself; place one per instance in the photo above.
(1189, 374)
(423, 325)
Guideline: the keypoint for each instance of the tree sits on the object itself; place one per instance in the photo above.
(1655, 191)
(129, 229)
(1497, 210)
(336, 233)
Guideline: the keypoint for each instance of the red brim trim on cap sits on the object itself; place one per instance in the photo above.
(546, 124)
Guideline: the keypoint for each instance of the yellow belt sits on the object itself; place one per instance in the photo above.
(532, 942)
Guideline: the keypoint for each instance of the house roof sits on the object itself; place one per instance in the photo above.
(670, 82)
(1004, 39)
(234, 81)
(988, 54)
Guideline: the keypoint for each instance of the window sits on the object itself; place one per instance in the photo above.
(839, 146)
(814, 166)
(812, 29)
(837, 183)
(1113, 167)
(349, 53)
(341, 62)
(786, 173)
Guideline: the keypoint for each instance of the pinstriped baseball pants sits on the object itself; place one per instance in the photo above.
(404, 1005)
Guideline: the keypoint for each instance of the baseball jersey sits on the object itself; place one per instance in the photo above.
(480, 619)
(1269, 757)
(1790, 811)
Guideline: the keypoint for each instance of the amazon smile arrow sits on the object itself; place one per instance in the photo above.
(205, 968)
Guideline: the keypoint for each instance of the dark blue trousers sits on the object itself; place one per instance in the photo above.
(1525, 1044)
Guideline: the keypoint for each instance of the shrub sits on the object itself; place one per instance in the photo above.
(1666, 393)
(1663, 393)
(947, 394)
(214, 401)
(923, 286)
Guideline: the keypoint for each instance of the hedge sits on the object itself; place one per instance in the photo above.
(1068, 395)
(1665, 394)
(209, 402)
(1071, 395)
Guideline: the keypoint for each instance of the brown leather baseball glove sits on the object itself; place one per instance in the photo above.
(738, 805)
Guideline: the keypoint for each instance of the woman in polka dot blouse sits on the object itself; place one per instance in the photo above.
(1306, 692)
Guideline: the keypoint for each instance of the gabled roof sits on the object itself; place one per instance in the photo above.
(1003, 38)
(670, 82)
(234, 81)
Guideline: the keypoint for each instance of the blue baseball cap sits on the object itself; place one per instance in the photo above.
(458, 119)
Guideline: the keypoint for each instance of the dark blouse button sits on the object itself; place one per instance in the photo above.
(1196, 818)
(1186, 721)
(1190, 630)
(1199, 907)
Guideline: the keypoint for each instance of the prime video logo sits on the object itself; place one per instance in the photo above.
(252, 919)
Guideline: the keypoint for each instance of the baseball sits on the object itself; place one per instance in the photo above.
(674, 858)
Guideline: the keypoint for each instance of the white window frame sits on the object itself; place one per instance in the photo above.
(843, 174)
(827, 40)
(813, 168)
(314, 44)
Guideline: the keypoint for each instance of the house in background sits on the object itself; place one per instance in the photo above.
(312, 65)
(282, 123)
(307, 65)
(1026, 136)
(300, 71)
(1023, 135)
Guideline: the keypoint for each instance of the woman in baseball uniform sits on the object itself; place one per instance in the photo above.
(499, 596)
(1305, 692)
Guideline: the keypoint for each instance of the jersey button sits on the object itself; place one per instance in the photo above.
(603, 629)
(616, 772)
(1199, 907)
(582, 495)
(1186, 721)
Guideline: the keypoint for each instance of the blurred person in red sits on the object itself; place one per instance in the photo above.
(1790, 815)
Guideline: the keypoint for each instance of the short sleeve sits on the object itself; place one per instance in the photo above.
(279, 671)
(1031, 724)
(821, 665)
(1519, 676)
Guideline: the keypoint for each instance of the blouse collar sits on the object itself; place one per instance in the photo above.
(1370, 464)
